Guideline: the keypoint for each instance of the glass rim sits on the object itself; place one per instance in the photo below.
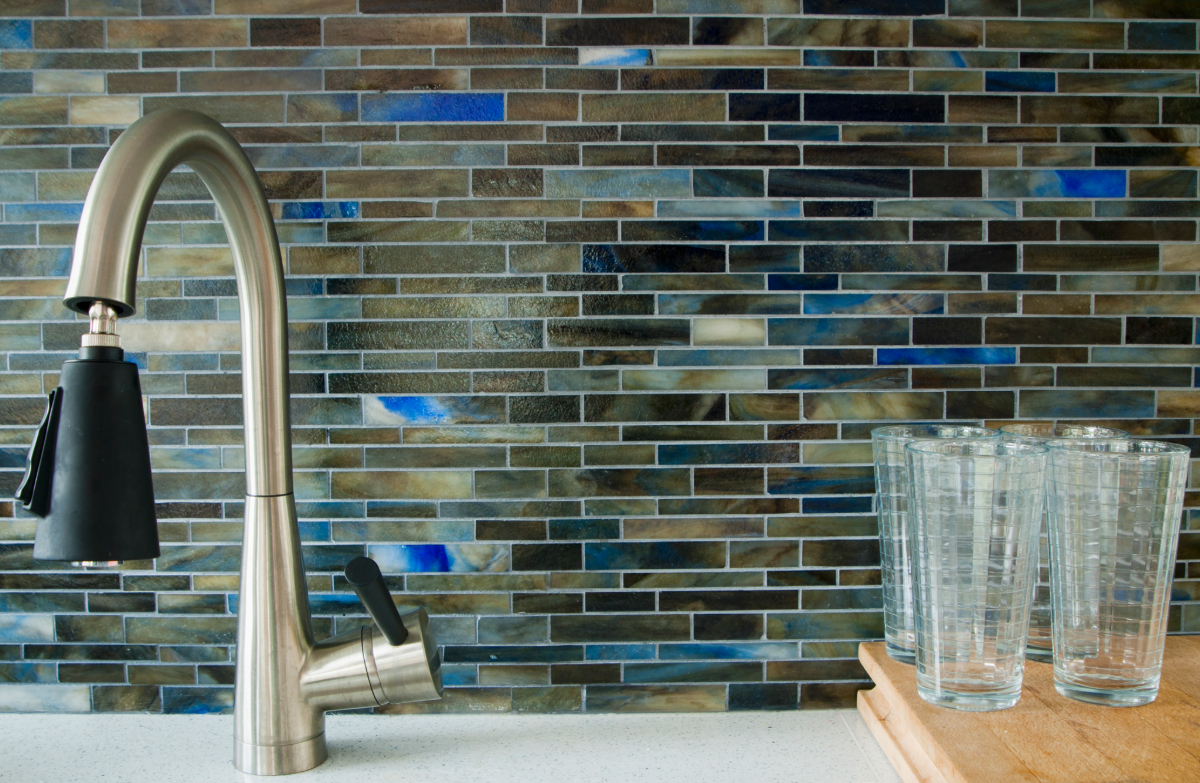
(895, 432)
(1139, 447)
(1005, 448)
(1110, 433)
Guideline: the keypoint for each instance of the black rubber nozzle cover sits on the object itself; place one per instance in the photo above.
(89, 468)
(364, 576)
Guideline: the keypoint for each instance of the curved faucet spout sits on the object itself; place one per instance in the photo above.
(108, 247)
(285, 681)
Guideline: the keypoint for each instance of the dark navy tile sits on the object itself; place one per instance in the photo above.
(658, 555)
(764, 107)
(834, 107)
(838, 183)
(802, 282)
(1019, 81)
(876, 7)
(653, 258)
(837, 331)
(837, 505)
(1162, 35)
(730, 183)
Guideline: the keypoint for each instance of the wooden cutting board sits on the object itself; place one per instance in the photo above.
(1046, 738)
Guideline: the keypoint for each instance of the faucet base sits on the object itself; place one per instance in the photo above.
(279, 759)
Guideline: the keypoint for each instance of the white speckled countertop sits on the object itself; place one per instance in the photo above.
(831, 746)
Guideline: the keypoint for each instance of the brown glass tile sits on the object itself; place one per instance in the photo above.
(982, 108)
(507, 79)
(390, 79)
(397, 30)
(64, 34)
(956, 33)
(288, 31)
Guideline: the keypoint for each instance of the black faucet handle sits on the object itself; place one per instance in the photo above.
(363, 575)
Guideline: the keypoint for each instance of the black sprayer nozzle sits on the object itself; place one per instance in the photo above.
(89, 467)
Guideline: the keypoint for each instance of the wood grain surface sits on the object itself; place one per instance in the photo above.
(1046, 737)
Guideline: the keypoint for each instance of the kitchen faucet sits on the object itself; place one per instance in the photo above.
(89, 473)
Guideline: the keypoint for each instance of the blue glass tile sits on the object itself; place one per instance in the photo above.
(13, 457)
(302, 286)
(323, 309)
(808, 378)
(317, 210)
(743, 651)
(335, 603)
(584, 528)
(802, 133)
(18, 186)
(435, 410)
(28, 672)
(822, 480)
(434, 107)
(16, 34)
(439, 558)
(613, 56)
(695, 230)
(837, 505)
(51, 212)
(1057, 183)
(296, 234)
(886, 356)
(802, 282)
(330, 509)
(20, 628)
(619, 183)
(905, 304)
(16, 82)
(459, 675)
(622, 555)
(619, 652)
(1020, 81)
(729, 208)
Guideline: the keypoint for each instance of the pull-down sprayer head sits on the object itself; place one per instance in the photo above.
(89, 467)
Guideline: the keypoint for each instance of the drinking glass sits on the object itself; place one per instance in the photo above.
(1040, 646)
(891, 502)
(975, 506)
(1115, 509)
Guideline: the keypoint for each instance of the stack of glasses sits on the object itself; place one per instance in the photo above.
(959, 531)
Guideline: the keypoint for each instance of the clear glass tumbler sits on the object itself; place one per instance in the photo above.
(975, 506)
(1115, 509)
(1040, 647)
(891, 503)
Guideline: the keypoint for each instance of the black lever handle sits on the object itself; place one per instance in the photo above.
(363, 575)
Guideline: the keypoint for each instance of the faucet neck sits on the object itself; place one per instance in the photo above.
(108, 247)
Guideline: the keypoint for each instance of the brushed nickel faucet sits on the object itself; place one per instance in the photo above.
(286, 681)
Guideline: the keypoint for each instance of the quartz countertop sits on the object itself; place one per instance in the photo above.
(832, 746)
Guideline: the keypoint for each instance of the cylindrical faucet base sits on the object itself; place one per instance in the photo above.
(279, 759)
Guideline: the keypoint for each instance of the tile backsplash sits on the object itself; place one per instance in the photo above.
(593, 306)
